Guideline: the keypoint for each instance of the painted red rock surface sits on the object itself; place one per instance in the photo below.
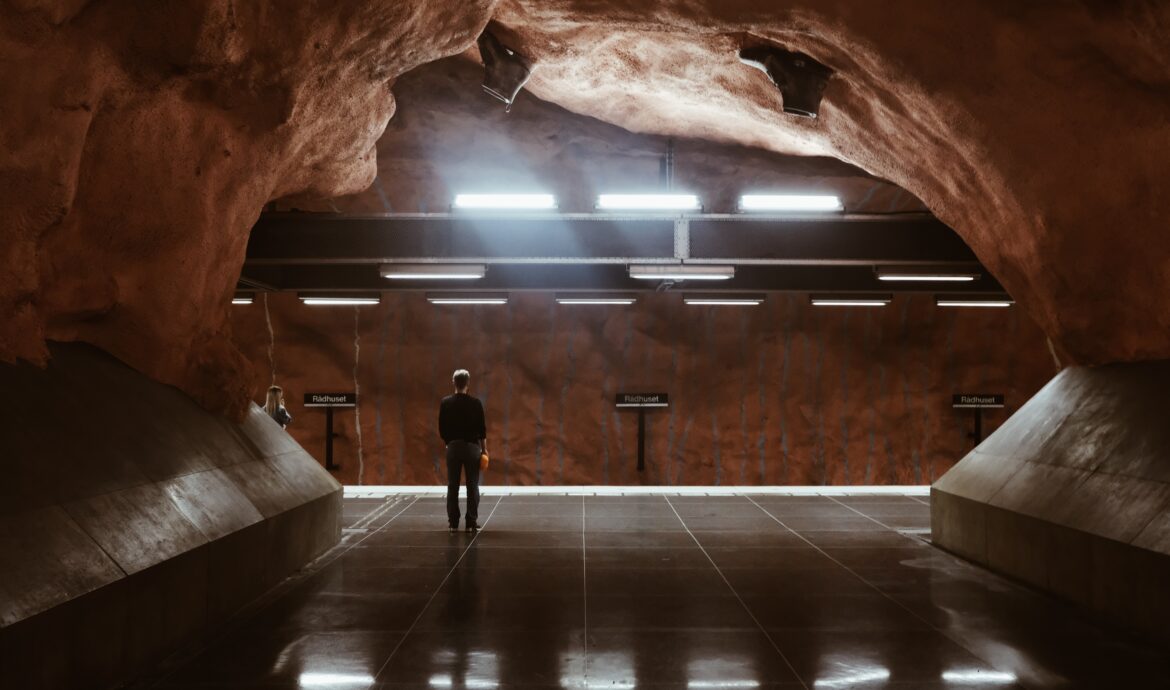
(139, 141)
(447, 136)
(785, 393)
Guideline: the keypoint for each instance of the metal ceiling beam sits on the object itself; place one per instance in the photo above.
(517, 277)
(544, 251)
(834, 240)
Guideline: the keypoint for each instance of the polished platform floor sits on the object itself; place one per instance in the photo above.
(623, 592)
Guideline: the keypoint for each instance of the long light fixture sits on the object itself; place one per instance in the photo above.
(467, 298)
(648, 202)
(986, 301)
(925, 274)
(434, 271)
(681, 272)
(506, 202)
(790, 202)
(242, 299)
(339, 300)
(850, 300)
(730, 299)
(595, 298)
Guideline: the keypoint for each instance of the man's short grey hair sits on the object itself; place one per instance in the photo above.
(461, 378)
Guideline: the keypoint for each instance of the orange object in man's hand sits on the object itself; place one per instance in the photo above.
(483, 461)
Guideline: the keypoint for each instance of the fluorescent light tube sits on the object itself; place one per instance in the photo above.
(850, 300)
(947, 302)
(338, 300)
(728, 300)
(648, 202)
(434, 271)
(242, 300)
(468, 298)
(681, 272)
(504, 202)
(595, 299)
(925, 274)
(790, 202)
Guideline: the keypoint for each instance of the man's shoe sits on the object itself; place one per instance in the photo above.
(472, 527)
(453, 529)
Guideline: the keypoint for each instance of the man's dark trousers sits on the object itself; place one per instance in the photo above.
(462, 456)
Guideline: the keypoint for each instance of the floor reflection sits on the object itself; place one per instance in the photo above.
(706, 593)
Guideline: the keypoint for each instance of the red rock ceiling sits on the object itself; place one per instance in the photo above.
(447, 136)
(139, 141)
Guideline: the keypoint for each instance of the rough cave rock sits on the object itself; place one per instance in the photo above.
(139, 142)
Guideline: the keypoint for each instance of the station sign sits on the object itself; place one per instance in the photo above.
(977, 401)
(330, 399)
(642, 400)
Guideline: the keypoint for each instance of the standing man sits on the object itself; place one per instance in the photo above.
(462, 426)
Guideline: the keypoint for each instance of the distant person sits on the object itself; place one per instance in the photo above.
(462, 426)
(274, 406)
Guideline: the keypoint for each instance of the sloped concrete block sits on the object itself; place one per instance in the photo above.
(150, 519)
(1071, 494)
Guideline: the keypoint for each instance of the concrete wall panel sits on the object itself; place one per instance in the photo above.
(137, 519)
(1083, 509)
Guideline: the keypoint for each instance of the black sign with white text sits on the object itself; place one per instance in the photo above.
(977, 400)
(642, 400)
(330, 399)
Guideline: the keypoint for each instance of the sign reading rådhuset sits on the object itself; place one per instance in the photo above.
(977, 400)
(330, 399)
(642, 400)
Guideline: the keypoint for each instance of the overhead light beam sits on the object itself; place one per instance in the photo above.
(850, 300)
(468, 298)
(790, 202)
(681, 272)
(505, 202)
(434, 271)
(648, 202)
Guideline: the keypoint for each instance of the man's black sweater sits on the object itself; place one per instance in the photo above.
(461, 419)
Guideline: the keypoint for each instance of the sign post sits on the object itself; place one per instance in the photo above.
(330, 401)
(642, 401)
(977, 402)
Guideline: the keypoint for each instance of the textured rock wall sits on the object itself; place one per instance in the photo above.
(1038, 131)
(139, 141)
(447, 136)
(780, 394)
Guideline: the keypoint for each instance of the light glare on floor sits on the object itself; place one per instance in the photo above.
(648, 202)
(335, 680)
(979, 677)
(500, 202)
(790, 202)
(876, 675)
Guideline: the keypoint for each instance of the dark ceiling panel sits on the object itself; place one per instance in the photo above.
(903, 241)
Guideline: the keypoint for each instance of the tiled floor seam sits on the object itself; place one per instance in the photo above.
(738, 598)
(879, 590)
(434, 594)
(867, 517)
